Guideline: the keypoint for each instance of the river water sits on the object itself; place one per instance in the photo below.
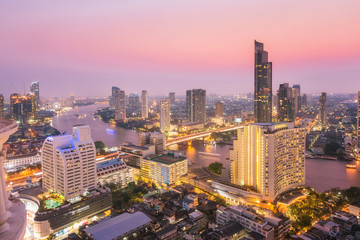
(320, 174)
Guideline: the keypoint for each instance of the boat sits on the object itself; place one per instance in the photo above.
(111, 130)
(351, 166)
(76, 115)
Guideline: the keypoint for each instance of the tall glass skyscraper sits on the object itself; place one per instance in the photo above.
(196, 105)
(35, 89)
(263, 85)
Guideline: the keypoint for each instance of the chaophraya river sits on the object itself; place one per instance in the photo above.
(320, 174)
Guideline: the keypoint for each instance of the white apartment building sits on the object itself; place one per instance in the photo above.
(165, 115)
(69, 163)
(269, 157)
(22, 160)
(114, 171)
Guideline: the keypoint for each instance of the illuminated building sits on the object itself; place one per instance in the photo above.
(270, 157)
(358, 123)
(69, 163)
(304, 100)
(35, 89)
(189, 126)
(157, 139)
(2, 106)
(22, 160)
(120, 105)
(298, 102)
(323, 110)
(196, 105)
(144, 104)
(114, 171)
(263, 85)
(219, 109)
(164, 169)
(23, 108)
(172, 98)
(112, 97)
(285, 103)
(134, 103)
(165, 115)
(12, 211)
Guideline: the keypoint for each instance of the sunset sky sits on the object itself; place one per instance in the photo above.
(86, 46)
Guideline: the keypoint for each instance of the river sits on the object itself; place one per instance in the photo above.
(320, 174)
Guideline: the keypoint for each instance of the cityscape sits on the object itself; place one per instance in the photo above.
(176, 147)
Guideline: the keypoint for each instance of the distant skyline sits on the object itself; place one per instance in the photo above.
(86, 47)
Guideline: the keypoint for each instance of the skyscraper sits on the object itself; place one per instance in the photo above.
(164, 115)
(269, 157)
(144, 104)
(134, 104)
(172, 98)
(23, 108)
(2, 106)
(304, 100)
(298, 102)
(69, 163)
(219, 109)
(35, 89)
(323, 110)
(112, 97)
(196, 105)
(358, 122)
(285, 104)
(120, 105)
(263, 85)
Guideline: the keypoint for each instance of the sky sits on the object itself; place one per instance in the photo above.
(86, 46)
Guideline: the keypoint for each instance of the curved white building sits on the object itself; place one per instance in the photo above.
(12, 210)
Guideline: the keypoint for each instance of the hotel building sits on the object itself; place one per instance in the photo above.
(114, 171)
(269, 157)
(164, 169)
(69, 163)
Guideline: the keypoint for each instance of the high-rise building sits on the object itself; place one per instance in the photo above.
(144, 104)
(134, 103)
(270, 157)
(69, 163)
(304, 100)
(263, 85)
(23, 108)
(298, 102)
(158, 139)
(172, 98)
(71, 100)
(35, 89)
(358, 122)
(120, 105)
(165, 115)
(2, 106)
(219, 109)
(285, 106)
(112, 97)
(12, 210)
(196, 105)
(323, 110)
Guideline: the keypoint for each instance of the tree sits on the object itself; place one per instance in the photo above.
(331, 148)
(216, 167)
(100, 147)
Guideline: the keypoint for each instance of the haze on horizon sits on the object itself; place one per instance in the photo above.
(85, 47)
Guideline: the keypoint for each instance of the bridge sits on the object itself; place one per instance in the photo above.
(201, 134)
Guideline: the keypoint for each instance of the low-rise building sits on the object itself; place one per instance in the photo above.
(22, 160)
(114, 171)
(354, 208)
(164, 169)
(189, 126)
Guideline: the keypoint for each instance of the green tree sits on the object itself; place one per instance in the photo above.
(100, 147)
(216, 167)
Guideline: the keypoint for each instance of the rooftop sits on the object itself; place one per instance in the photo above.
(118, 226)
(109, 163)
(169, 158)
(134, 147)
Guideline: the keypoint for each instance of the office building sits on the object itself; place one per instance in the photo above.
(144, 104)
(285, 103)
(12, 211)
(114, 171)
(157, 139)
(2, 106)
(120, 105)
(165, 115)
(298, 102)
(114, 90)
(69, 163)
(172, 98)
(131, 154)
(134, 104)
(35, 89)
(263, 85)
(219, 109)
(23, 108)
(164, 169)
(323, 110)
(270, 157)
(304, 100)
(196, 105)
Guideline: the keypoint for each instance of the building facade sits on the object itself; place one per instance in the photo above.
(35, 89)
(165, 115)
(219, 109)
(23, 108)
(323, 110)
(144, 104)
(358, 123)
(112, 97)
(114, 171)
(285, 103)
(270, 157)
(172, 98)
(2, 106)
(196, 105)
(263, 85)
(69, 163)
(120, 105)
(22, 160)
